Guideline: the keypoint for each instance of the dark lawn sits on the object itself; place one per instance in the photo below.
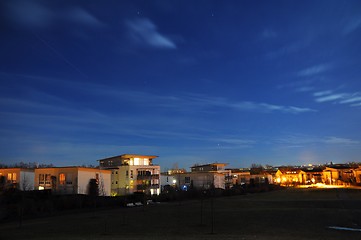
(286, 214)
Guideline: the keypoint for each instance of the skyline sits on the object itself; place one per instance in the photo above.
(191, 82)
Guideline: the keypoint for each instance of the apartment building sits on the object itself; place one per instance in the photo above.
(72, 180)
(132, 173)
(20, 178)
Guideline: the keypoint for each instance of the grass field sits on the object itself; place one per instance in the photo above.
(285, 214)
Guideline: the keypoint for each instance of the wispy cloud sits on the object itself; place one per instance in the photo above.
(30, 14)
(305, 89)
(37, 15)
(301, 140)
(313, 70)
(268, 108)
(329, 98)
(268, 34)
(81, 16)
(353, 99)
(291, 48)
(144, 32)
(338, 140)
(352, 25)
(322, 93)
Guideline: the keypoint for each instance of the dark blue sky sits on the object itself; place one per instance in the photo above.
(242, 82)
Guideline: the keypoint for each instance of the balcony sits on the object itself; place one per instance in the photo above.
(147, 187)
(148, 177)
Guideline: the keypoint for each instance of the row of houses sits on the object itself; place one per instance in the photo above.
(129, 173)
(119, 175)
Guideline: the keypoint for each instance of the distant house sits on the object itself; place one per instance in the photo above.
(263, 177)
(72, 180)
(357, 175)
(20, 178)
(213, 175)
(200, 180)
(338, 174)
(240, 176)
(168, 179)
(290, 177)
(313, 175)
(132, 173)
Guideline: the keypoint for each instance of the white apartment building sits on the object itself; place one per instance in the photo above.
(132, 173)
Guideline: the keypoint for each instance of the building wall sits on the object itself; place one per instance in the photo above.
(26, 180)
(127, 179)
(23, 179)
(102, 176)
(39, 182)
(357, 175)
(71, 180)
(167, 179)
(200, 180)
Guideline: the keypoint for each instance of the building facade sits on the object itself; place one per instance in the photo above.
(290, 177)
(132, 173)
(72, 180)
(338, 174)
(199, 180)
(20, 178)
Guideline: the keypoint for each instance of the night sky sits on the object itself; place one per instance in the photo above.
(241, 82)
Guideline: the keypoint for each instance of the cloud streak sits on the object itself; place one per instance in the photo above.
(35, 15)
(144, 32)
(352, 99)
(314, 70)
(352, 25)
(304, 140)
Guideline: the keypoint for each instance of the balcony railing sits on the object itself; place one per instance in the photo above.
(147, 187)
(148, 177)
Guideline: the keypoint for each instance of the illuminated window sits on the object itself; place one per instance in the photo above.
(62, 178)
(41, 179)
(47, 179)
(136, 161)
(146, 161)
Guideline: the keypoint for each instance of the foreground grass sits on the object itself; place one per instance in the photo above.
(287, 214)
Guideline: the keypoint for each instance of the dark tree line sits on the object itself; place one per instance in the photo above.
(26, 165)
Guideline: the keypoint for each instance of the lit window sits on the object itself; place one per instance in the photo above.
(47, 179)
(62, 178)
(136, 161)
(41, 178)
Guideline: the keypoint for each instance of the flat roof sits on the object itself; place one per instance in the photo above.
(127, 155)
(218, 164)
(21, 169)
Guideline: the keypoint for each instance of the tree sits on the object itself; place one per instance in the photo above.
(93, 188)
